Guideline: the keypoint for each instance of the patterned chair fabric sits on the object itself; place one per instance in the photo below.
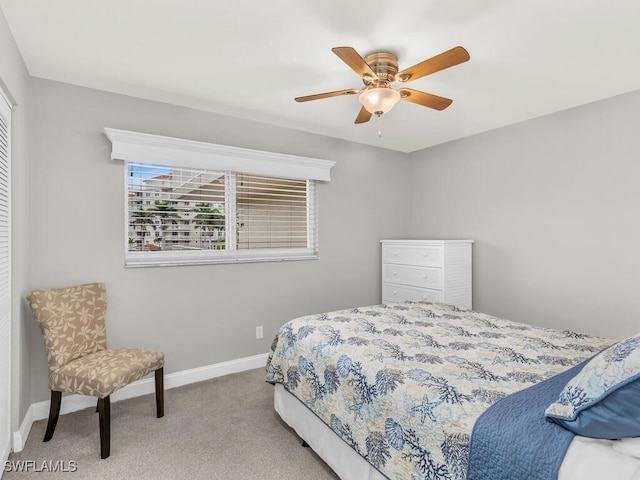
(72, 324)
(102, 373)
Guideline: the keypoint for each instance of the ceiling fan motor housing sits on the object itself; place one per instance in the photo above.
(385, 66)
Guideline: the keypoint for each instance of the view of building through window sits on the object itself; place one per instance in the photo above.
(175, 208)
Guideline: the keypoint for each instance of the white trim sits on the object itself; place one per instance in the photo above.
(231, 211)
(4, 96)
(20, 436)
(73, 403)
(205, 257)
(156, 149)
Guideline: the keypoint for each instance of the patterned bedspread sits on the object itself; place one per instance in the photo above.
(403, 384)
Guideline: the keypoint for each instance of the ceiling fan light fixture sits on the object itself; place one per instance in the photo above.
(379, 100)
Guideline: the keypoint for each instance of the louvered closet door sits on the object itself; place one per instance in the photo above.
(5, 279)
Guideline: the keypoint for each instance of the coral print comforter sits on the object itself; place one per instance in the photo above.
(403, 384)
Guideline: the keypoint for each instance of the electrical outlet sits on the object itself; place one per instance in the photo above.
(259, 333)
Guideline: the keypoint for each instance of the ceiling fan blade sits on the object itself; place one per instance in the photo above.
(318, 96)
(364, 116)
(424, 99)
(352, 58)
(446, 59)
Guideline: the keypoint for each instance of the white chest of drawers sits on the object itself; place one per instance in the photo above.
(427, 270)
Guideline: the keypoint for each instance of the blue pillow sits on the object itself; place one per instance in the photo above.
(603, 400)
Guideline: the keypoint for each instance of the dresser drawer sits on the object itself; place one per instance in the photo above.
(426, 277)
(392, 292)
(423, 256)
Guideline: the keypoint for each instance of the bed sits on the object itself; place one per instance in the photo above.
(418, 391)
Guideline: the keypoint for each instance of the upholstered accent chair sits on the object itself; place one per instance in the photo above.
(72, 323)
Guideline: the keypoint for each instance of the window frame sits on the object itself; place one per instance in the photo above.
(173, 152)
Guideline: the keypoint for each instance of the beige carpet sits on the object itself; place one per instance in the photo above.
(224, 428)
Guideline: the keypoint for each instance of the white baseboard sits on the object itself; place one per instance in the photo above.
(72, 403)
(20, 437)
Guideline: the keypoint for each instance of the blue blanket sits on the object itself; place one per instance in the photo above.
(513, 440)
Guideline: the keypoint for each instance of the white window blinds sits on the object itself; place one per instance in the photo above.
(176, 214)
(272, 212)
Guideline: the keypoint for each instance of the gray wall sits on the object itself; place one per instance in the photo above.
(197, 315)
(15, 81)
(553, 205)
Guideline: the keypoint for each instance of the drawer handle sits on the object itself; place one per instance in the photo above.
(395, 254)
(425, 276)
(394, 273)
(395, 292)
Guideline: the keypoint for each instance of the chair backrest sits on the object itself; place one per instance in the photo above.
(71, 320)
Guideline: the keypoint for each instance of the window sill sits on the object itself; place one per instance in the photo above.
(207, 257)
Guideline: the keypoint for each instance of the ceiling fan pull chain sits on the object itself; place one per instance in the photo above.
(379, 126)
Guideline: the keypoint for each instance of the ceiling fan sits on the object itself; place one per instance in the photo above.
(379, 71)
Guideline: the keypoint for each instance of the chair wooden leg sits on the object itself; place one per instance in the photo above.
(104, 413)
(160, 392)
(54, 413)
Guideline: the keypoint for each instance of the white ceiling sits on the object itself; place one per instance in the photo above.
(250, 58)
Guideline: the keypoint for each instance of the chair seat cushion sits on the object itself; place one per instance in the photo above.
(102, 373)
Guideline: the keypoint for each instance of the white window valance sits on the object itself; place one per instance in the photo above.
(157, 149)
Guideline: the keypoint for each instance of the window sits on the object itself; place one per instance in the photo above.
(215, 204)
